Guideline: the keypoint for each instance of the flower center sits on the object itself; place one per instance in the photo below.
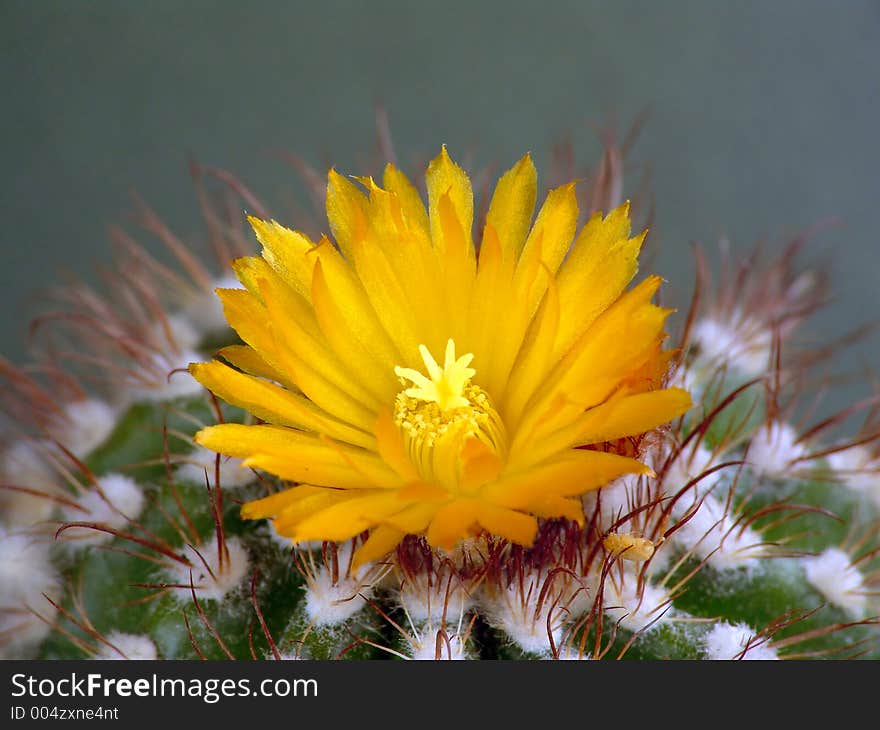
(446, 386)
(444, 409)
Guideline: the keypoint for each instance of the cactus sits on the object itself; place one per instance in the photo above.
(749, 533)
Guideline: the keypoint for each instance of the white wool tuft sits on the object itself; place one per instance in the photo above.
(329, 603)
(712, 532)
(515, 610)
(686, 379)
(86, 424)
(175, 382)
(282, 541)
(27, 464)
(185, 335)
(617, 499)
(740, 343)
(429, 601)
(119, 500)
(26, 573)
(213, 584)
(773, 449)
(727, 641)
(425, 647)
(127, 646)
(232, 474)
(285, 656)
(631, 610)
(838, 580)
(859, 470)
(689, 465)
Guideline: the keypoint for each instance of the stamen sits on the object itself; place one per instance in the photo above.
(444, 408)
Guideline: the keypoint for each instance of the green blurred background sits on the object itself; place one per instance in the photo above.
(764, 115)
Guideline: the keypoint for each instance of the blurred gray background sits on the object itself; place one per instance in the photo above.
(764, 115)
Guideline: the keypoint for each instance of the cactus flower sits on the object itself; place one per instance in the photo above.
(549, 362)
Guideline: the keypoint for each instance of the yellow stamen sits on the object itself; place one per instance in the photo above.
(444, 408)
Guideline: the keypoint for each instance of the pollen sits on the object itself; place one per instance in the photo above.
(428, 422)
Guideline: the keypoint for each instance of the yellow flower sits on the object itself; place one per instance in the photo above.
(547, 362)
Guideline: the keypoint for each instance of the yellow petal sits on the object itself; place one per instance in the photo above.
(621, 416)
(633, 414)
(247, 316)
(445, 177)
(492, 302)
(451, 523)
(399, 242)
(347, 519)
(554, 227)
(276, 503)
(508, 318)
(333, 399)
(247, 269)
(513, 204)
(413, 519)
(298, 456)
(287, 252)
(292, 506)
(411, 202)
(574, 472)
(297, 339)
(391, 447)
(246, 359)
(355, 313)
(480, 465)
(422, 492)
(287, 521)
(602, 262)
(535, 360)
(346, 212)
(551, 507)
(459, 271)
(342, 325)
(291, 468)
(391, 294)
(546, 246)
(382, 540)
(509, 524)
(274, 404)
(596, 365)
